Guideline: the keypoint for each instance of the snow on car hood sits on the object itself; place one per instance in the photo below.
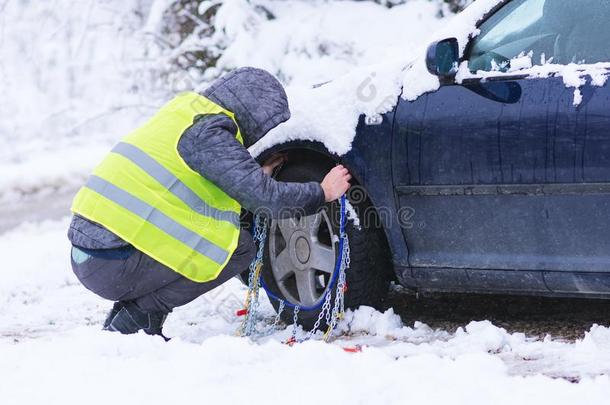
(329, 113)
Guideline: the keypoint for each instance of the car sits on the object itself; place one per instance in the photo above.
(497, 182)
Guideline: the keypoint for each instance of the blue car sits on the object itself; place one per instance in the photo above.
(498, 182)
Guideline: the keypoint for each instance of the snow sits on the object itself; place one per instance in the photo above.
(99, 70)
(417, 80)
(573, 75)
(521, 62)
(329, 114)
(53, 351)
(79, 75)
(351, 213)
(101, 76)
(312, 42)
(48, 172)
(73, 80)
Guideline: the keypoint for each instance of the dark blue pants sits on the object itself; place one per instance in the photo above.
(151, 285)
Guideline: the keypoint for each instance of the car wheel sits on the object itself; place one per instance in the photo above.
(301, 254)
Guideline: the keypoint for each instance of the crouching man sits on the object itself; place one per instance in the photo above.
(157, 223)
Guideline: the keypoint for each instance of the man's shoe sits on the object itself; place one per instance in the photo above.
(131, 319)
(115, 310)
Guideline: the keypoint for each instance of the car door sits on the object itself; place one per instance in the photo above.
(510, 175)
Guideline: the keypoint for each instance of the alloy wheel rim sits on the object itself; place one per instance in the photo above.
(302, 255)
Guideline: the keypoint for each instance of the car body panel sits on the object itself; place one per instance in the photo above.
(370, 161)
(510, 189)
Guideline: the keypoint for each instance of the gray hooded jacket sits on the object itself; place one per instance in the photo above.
(210, 148)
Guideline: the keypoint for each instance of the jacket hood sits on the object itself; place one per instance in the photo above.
(255, 96)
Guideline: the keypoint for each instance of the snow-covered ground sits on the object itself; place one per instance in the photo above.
(75, 77)
(53, 352)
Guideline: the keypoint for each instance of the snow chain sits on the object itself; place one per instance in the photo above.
(330, 312)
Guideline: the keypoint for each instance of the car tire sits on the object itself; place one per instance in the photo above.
(367, 278)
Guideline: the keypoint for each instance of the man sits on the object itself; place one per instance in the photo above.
(157, 223)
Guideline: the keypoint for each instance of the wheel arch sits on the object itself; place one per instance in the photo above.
(313, 151)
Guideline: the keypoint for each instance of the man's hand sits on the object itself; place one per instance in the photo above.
(336, 183)
(273, 162)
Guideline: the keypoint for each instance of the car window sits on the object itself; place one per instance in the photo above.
(555, 31)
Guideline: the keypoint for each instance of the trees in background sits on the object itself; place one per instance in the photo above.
(193, 35)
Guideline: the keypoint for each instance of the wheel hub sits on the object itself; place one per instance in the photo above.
(302, 250)
(301, 263)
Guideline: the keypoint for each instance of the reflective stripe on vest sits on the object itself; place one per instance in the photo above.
(172, 183)
(157, 218)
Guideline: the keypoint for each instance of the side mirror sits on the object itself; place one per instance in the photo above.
(442, 58)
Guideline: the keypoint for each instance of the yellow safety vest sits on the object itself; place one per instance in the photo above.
(145, 193)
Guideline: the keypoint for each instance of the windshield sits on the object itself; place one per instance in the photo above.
(556, 31)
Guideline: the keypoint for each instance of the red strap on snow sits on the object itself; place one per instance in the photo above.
(352, 349)
(241, 312)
